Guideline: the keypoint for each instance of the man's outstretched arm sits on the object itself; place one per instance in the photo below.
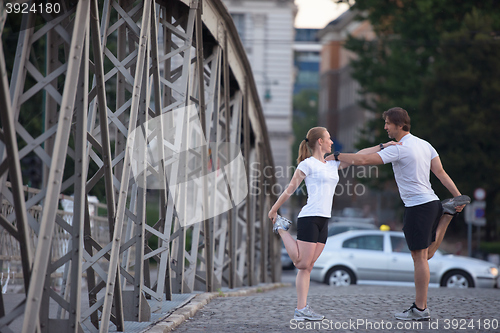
(437, 169)
(361, 159)
(367, 156)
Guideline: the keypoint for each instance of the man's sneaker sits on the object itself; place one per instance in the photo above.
(414, 314)
(281, 223)
(450, 204)
(307, 314)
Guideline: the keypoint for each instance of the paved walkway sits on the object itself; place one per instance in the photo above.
(358, 308)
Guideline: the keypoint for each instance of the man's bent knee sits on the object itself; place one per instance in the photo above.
(420, 254)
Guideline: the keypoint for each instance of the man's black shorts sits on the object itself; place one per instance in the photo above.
(313, 229)
(420, 224)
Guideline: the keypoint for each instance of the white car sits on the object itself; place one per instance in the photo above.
(334, 228)
(374, 255)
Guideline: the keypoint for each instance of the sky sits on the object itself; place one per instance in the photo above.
(316, 14)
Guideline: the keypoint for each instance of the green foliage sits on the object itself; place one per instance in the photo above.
(490, 247)
(305, 116)
(438, 59)
(152, 215)
(460, 101)
(32, 114)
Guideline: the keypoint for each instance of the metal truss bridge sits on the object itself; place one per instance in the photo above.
(152, 105)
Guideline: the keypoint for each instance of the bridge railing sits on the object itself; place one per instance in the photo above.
(10, 249)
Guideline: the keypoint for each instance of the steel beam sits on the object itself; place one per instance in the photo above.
(55, 178)
(120, 215)
(227, 123)
(21, 230)
(163, 281)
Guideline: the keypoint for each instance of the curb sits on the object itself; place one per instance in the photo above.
(187, 311)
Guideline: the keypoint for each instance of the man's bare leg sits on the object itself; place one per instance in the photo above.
(440, 232)
(422, 277)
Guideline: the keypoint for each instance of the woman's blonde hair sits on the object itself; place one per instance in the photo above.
(307, 145)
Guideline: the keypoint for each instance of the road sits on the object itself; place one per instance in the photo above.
(357, 308)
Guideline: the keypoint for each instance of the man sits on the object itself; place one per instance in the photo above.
(424, 223)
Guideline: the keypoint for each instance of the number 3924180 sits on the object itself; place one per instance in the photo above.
(34, 8)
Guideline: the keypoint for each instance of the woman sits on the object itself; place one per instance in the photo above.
(321, 177)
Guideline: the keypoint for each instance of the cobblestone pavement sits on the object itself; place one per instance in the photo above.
(358, 308)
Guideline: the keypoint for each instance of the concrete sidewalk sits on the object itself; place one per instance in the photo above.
(357, 308)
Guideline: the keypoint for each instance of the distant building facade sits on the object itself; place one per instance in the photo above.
(339, 97)
(307, 58)
(266, 30)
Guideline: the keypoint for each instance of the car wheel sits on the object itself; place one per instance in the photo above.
(457, 279)
(340, 276)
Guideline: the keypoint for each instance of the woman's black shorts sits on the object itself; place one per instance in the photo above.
(420, 224)
(312, 229)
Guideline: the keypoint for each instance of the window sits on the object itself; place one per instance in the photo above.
(308, 77)
(308, 56)
(399, 244)
(371, 242)
(239, 22)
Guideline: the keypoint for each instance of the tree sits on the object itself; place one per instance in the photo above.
(305, 116)
(460, 103)
(421, 46)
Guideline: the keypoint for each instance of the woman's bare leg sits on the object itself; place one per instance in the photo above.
(307, 251)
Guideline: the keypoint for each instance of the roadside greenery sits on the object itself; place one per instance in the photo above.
(438, 59)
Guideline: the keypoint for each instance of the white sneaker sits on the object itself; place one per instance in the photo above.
(281, 223)
(414, 314)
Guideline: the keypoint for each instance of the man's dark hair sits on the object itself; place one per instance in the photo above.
(399, 117)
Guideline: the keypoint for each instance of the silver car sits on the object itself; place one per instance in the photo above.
(374, 255)
(334, 228)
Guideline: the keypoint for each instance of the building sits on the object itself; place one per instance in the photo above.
(339, 97)
(266, 30)
(306, 60)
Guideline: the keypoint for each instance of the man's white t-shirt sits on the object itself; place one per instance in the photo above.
(411, 162)
(321, 180)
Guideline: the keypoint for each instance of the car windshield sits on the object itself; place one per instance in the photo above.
(367, 242)
(337, 229)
